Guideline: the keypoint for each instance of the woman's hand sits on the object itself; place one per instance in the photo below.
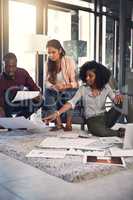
(50, 117)
(53, 87)
(118, 99)
(60, 87)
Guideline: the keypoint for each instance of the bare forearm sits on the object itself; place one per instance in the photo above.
(65, 108)
(57, 114)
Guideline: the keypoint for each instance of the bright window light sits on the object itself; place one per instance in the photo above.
(22, 21)
(59, 25)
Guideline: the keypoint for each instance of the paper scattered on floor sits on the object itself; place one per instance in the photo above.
(3, 129)
(54, 142)
(16, 123)
(46, 153)
(40, 126)
(78, 143)
(68, 135)
(39, 123)
(25, 95)
(75, 152)
(95, 153)
(22, 122)
(115, 151)
(105, 160)
(115, 140)
(98, 145)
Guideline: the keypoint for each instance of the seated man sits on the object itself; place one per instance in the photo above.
(14, 79)
(94, 92)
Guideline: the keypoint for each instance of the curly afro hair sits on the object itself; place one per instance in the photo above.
(102, 73)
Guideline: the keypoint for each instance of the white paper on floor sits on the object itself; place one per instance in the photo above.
(46, 153)
(22, 122)
(54, 142)
(95, 153)
(40, 126)
(114, 140)
(75, 152)
(115, 151)
(16, 123)
(105, 160)
(78, 143)
(68, 135)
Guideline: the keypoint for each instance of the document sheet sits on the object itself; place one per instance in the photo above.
(16, 123)
(46, 153)
(25, 95)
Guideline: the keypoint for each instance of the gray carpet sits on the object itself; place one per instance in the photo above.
(18, 143)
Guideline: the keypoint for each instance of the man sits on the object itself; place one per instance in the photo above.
(14, 79)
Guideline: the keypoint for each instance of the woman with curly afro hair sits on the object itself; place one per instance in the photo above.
(94, 92)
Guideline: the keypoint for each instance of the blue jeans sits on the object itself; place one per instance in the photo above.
(55, 100)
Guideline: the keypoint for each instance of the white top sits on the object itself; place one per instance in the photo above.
(60, 77)
(93, 105)
(68, 68)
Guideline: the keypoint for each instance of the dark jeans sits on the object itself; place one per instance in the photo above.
(100, 125)
(22, 108)
(55, 100)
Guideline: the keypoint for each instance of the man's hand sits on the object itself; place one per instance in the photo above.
(38, 98)
(2, 112)
(118, 99)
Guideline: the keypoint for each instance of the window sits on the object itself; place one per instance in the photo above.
(22, 22)
(59, 25)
